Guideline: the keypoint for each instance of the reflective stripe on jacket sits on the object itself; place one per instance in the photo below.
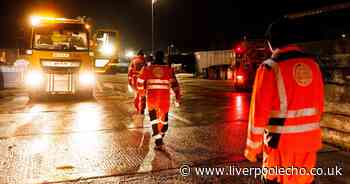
(158, 79)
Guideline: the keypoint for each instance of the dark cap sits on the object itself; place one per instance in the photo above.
(140, 52)
(283, 31)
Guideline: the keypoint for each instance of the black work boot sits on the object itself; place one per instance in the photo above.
(159, 145)
(164, 129)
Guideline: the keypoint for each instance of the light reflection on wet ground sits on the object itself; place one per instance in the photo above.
(62, 140)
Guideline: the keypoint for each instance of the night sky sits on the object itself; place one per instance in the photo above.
(189, 24)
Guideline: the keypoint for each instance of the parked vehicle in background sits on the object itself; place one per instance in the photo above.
(249, 55)
(106, 50)
(238, 64)
(183, 63)
(215, 64)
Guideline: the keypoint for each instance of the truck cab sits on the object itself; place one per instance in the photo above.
(59, 61)
(249, 54)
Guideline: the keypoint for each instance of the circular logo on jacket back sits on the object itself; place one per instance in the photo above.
(158, 72)
(302, 74)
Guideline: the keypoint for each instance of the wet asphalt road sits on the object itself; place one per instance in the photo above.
(64, 140)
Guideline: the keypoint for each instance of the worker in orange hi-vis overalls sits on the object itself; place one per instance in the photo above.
(285, 113)
(136, 64)
(155, 82)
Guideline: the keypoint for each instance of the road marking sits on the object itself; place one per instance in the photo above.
(99, 86)
(144, 132)
(146, 165)
(108, 85)
(180, 118)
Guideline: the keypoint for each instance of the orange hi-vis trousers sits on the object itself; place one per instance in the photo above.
(276, 158)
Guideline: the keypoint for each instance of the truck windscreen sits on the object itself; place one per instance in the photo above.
(105, 38)
(67, 37)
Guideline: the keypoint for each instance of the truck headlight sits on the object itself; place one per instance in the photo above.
(101, 62)
(239, 77)
(34, 78)
(107, 50)
(87, 78)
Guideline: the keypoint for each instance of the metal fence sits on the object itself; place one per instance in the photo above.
(12, 76)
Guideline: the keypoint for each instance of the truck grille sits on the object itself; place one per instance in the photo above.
(61, 83)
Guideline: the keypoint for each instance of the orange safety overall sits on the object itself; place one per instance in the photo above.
(285, 113)
(136, 64)
(155, 82)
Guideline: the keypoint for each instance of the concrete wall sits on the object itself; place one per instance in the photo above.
(335, 65)
(334, 59)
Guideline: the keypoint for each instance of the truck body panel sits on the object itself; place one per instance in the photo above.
(205, 59)
(107, 49)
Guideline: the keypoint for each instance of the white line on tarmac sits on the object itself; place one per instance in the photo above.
(146, 165)
(99, 87)
(180, 118)
(108, 85)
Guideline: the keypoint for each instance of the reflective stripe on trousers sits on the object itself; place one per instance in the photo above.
(158, 136)
(154, 122)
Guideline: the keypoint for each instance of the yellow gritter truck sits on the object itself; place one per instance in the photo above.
(60, 61)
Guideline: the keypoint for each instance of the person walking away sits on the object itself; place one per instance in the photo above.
(136, 64)
(155, 82)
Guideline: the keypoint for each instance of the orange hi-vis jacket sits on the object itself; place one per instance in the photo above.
(155, 82)
(287, 103)
(136, 64)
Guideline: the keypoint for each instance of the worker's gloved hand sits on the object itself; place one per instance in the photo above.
(130, 89)
(177, 103)
(249, 155)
